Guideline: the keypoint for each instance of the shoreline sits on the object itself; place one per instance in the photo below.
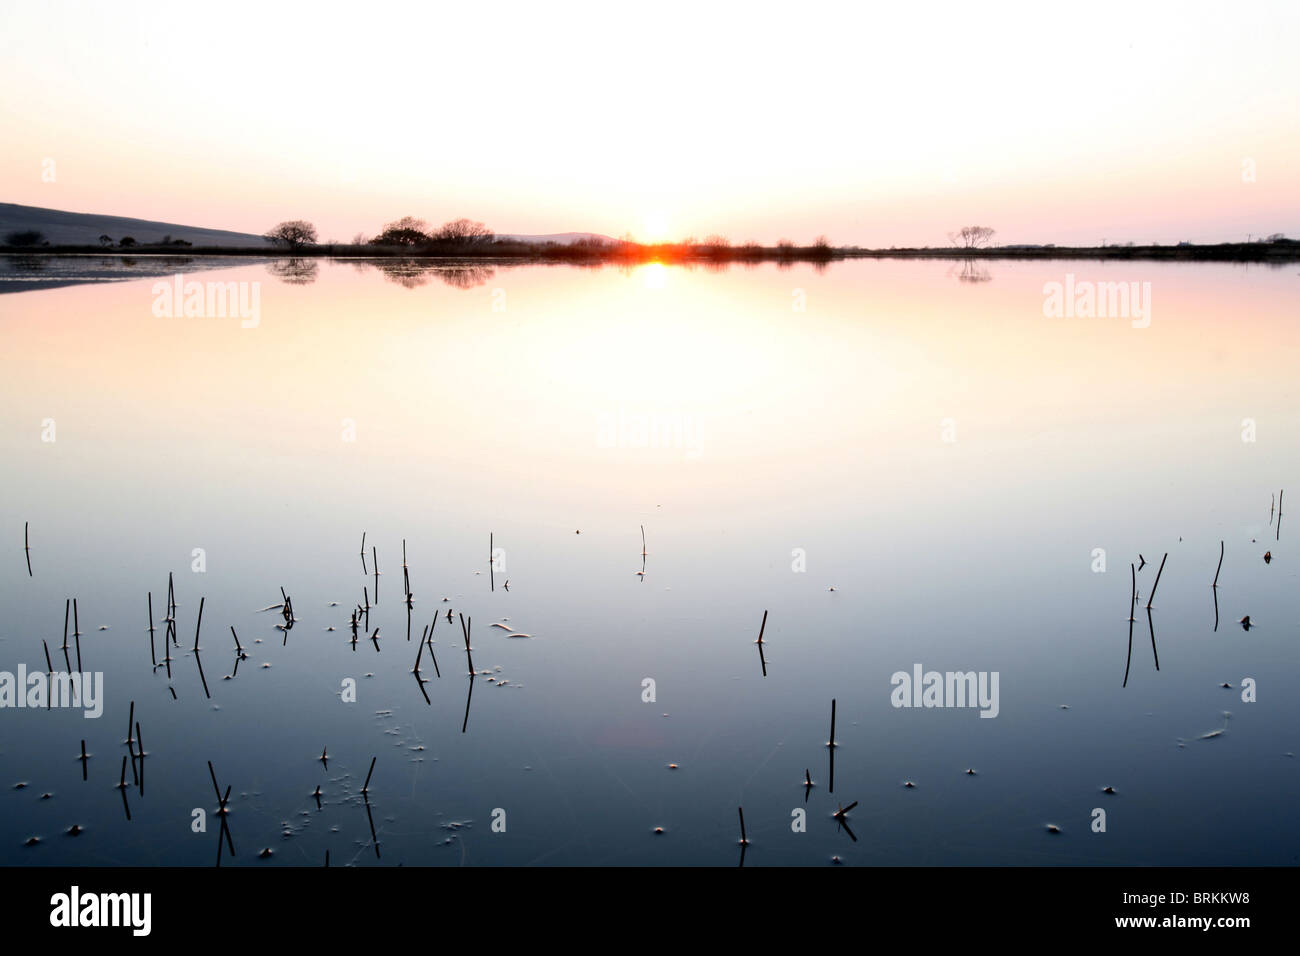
(584, 254)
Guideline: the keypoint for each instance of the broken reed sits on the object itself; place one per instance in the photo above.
(1152, 596)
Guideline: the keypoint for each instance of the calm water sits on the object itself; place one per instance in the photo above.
(932, 448)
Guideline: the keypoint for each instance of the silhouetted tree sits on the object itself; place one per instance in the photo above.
(463, 230)
(25, 237)
(126, 241)
(971, 237)
(407, 231)
(105, 240)
(293, 233)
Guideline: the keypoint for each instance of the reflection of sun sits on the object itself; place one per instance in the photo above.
(654, 274)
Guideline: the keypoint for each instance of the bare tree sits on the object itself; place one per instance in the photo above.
(407, 231)
(407, 223)
(971, 237)
(463, 230)
(293, 233)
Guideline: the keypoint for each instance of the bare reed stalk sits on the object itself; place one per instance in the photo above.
(465, 629)
(153, 654)
(1152, 596)
(1132, 594)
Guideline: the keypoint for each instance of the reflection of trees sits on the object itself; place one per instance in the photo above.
(294, 271)
(408, 273)
(971, 271)
(26, 263)
(466, 277)
(413, 273)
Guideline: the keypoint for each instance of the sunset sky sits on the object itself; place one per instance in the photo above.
(873, 125)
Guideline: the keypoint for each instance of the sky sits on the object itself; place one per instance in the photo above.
(872, 124)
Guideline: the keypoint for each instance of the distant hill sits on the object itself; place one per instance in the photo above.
(63, 228)
(563, 238)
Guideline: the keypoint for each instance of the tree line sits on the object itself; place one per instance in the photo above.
(408, 231)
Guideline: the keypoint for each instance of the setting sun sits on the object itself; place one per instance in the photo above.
(656, 228)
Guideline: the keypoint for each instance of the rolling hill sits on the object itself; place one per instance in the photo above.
(63, 228)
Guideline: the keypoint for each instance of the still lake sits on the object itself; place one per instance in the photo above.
(902, 462)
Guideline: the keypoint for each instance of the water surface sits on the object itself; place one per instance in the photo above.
(939, 457)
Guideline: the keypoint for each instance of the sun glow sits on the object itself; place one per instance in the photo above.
(656, 228)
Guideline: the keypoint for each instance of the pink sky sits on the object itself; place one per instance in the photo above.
(874, 126)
